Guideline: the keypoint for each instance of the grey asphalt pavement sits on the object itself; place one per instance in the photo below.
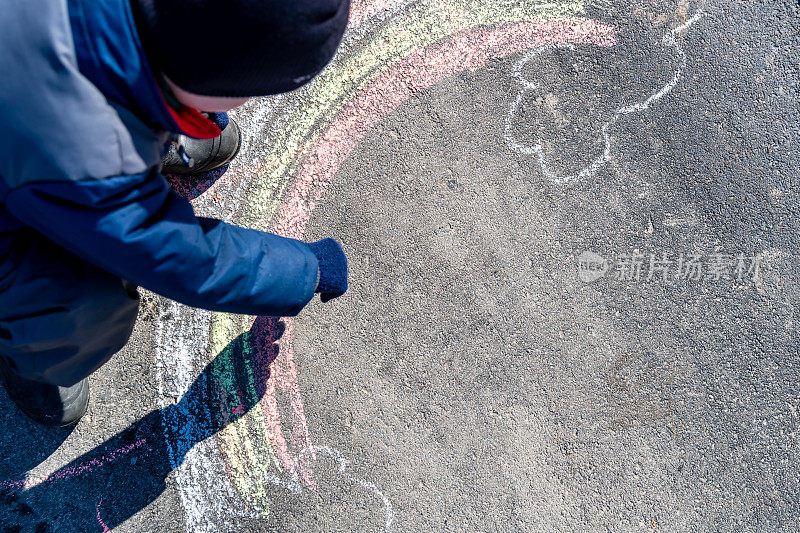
(536, 337)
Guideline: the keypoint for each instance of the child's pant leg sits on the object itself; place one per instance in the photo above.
(60, 317)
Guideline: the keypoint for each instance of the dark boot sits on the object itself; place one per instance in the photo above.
(49, 405)
(192, 157)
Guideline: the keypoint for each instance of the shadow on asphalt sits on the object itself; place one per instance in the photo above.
(109, 484)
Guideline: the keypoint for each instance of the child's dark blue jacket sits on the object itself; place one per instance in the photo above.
(82, 129)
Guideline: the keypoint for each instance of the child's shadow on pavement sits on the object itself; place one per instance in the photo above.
(128, 471)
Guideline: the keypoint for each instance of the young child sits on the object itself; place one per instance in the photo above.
(91, 92)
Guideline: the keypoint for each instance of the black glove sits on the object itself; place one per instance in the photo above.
(332, 268)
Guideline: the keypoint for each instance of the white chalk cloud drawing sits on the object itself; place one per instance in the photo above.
(294, 485)
(537, 150)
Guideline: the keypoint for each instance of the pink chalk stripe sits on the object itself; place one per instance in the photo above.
(73, 471)
(103, 525)
(287, 381)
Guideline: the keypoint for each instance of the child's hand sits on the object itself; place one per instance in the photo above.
(332, 268)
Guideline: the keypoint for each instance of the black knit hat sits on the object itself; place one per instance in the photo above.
(240, 47)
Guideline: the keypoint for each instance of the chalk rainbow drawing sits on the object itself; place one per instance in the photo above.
(393, 50)
(670, 39)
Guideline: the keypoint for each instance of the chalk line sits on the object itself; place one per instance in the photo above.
(103, 525)
(587, 172)
(180, 341)
(295, 487)
(73, 471)
(366, 485)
